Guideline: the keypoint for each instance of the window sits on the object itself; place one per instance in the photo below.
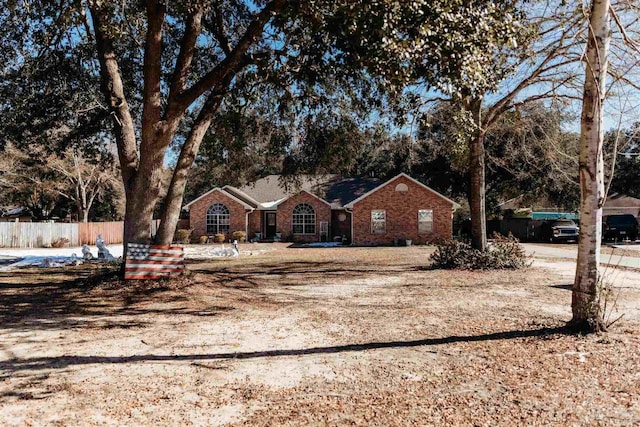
(217, 219)
(425, 221)
(378, 221)
(304, 219)
(402, 187)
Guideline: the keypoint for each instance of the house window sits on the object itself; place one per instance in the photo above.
(218, 219)
(378, 221)
(402, 187)
(304, 219)
(425, 220)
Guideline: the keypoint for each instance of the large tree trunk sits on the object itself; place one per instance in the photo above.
(175, 194)
(84, 214)
(477, 179)
(585, 302)
(142, 166)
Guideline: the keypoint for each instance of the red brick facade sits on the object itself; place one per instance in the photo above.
(255, 224)
(401, 209)
(285, 212)
(401, 199)
(198, 213)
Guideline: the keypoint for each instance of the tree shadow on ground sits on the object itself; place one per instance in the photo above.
(566, 287)
(61, 362)
(298, 273)
(93, 298)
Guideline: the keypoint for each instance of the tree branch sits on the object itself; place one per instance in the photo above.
(152, 71)
(234, 60)
(113, 91)
(220, 30)
(192, 30)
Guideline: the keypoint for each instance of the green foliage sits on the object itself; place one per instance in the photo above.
(626, 178)
(503, 253)
(528, 154)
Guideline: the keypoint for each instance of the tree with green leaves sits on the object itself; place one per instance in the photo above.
(166, 68)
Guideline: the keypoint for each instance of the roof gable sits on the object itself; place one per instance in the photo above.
(300, 192)
(413, 180)
(226, 193)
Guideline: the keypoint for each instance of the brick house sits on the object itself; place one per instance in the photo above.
(362, 211)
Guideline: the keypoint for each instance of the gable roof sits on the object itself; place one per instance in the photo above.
(341, 191)
(226, 193)
(276, 187)
(275, 205)
(268, 192)
(334, 190)
(415, 181)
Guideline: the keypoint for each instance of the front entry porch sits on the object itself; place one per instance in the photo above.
(270, 227)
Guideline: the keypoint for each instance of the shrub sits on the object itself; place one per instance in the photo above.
(219, 238)
(502, 253)
(240, 236)
(60, 242)
(183, 235)
(203, 239)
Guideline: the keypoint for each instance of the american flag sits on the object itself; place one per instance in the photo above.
(153, 261)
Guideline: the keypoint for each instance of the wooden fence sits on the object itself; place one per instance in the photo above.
(43, 234)
(111, 232)
(36, 234)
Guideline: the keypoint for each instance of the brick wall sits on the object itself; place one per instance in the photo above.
(255, 223)
(198, 213)
(401, 214)
(285, 212)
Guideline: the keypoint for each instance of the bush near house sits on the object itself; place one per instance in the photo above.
(183, 235)
(503, 253)
(240, 236)
(60, 242)
(219, 238)
(203, 240)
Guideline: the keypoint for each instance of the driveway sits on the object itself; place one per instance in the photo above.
(609, 256)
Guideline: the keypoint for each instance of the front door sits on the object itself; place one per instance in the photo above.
(270, 225)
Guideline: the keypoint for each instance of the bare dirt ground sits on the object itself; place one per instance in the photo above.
(344, 336)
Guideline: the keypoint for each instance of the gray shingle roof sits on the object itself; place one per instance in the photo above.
(334, 189)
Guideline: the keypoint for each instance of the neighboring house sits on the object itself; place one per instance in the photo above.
(20, 214)
(362, 211)
(615, 204)
(619, 204)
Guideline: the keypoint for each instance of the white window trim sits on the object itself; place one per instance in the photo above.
(426, 222)
(373, 230)
(215, 219)
(303, 224)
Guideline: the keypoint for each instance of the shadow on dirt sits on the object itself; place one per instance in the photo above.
(61, 362)
(298, 273)
(566, 287)
(87, 298)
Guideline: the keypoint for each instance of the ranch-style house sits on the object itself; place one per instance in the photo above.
(359, 211)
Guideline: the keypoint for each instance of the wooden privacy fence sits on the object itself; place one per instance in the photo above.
(111, 232)
(43, 234)
(36, 234)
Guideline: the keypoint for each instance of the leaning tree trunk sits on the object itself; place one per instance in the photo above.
(477, 180)
(586, 302)
(172, 205)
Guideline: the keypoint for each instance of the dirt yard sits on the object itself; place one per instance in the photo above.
(306, 337)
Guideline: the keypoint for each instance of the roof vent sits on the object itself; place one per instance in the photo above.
(402, 187)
